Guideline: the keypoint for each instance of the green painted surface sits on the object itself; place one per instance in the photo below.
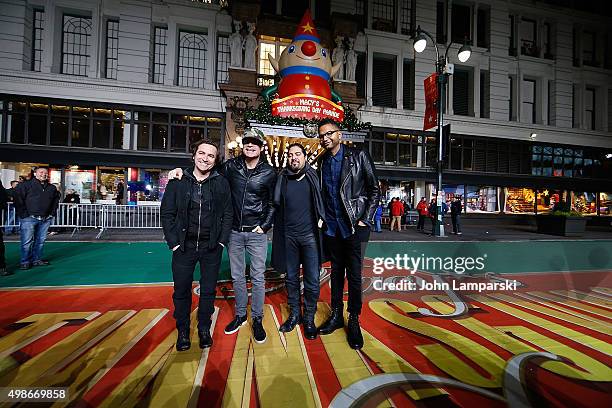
(91, 263)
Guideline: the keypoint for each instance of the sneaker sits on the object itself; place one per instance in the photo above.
(41, 262)
(459, 233)
(235, 324)
(25, 266)
(258, 331)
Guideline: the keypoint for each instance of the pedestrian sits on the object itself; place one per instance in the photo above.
(10, 227)
(196, 218)
(120, 192)
(456, 209)
(422, 210)
(3, 200)
(397, 211)
(432, 210)
(297, 240)
(252, 183)
(350, 195)
(36, 202)
(378, 217)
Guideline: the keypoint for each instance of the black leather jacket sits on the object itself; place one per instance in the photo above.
(252, 195)
(359, 188)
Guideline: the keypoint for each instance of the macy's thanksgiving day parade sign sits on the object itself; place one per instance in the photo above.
(305, 69)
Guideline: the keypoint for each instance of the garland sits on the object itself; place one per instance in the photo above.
(263, 114)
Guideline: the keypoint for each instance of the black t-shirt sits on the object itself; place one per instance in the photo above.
(200, 216)
(298, 208)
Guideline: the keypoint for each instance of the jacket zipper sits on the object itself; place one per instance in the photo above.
(199, 217)
(246, 183)
(346, 207)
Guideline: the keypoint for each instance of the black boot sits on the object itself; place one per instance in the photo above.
(334, 322)
(354, 337)
(293, 320)
(205, 338)
(183, 342)
(310, 330)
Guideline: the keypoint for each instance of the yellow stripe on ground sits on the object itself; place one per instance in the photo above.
(128, 392)
(40, 325)
(348, 364)
(85, 371)
(533, 296)
(575, 318)
(596, 299)
(440, 355)
(281, 376)
(179, 382)
(62, 353)
(589, 369)
(237, 392)
(566, 332)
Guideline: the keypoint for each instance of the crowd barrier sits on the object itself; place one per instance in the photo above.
(97, 216)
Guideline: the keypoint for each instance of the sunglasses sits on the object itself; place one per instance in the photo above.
(327, 134)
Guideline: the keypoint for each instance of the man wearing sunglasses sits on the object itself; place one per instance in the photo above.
(350, 194)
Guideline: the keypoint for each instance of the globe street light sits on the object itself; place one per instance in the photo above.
(443, 71)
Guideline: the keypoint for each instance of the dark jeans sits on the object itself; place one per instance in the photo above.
(33, 236)
(183, 266)
(302, 249)
(455, 218)
(2, 259)
(421, 223)
(346, 256)
(434, 220)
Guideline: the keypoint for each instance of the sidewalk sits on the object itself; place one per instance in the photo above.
(477, 231)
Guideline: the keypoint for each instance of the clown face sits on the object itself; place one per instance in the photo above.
(307, 53)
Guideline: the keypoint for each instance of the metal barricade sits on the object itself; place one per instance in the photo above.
(130, 217)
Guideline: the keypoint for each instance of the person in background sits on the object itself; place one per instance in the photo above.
(120, 193)
(456, 209)
(3, 201)
(378, 217)
(10, 219)
(397, 211)
(422, 210)
(432, 211)
(36, 202)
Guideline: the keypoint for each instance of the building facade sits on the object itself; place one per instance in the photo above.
(109, 90)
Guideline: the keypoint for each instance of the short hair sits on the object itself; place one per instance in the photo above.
(35, 168)
(195, 145)
(328, 121)
(302, 148)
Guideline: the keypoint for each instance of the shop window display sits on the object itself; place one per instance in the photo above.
(481, 199)
(519, 200)
(450, 192)
(585, 203)
(547, 199)
(82, 182)
(605, 203)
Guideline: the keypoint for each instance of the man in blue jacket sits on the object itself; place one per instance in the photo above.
(197, 218)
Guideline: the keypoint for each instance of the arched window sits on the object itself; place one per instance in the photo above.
(75, 45)
(192, 59)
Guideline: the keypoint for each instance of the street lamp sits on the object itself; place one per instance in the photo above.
(443, 71)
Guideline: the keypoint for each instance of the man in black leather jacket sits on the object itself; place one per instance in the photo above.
(350, 195)
(197, 218)
(252, 182)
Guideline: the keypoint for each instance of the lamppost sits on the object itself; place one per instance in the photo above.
(444, 70)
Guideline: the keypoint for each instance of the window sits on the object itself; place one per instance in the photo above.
(384, 80)
(441, 22)
(192, 59)
(511, 112)
(528, 38)
(112, 48)
(360, 12)
(37, 39)
(160, 40)
(483, 28)
(383, 15)
(268, 6)
(294, 8)
(463, 91)
(575, 119)
(361, 74)
(75, 45)
(519, 200)
(394, 149)
(512, 39)
(322, 11)
(223, 59)
(589, 108)
(481, 199)
(588, 48)
(408, 84)
(576, 46)
(406, 17)
(551, 103)
(547, 32)
(528, 104)
(608, 52)
(274, 47)
(461, 23)
(484, 94)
